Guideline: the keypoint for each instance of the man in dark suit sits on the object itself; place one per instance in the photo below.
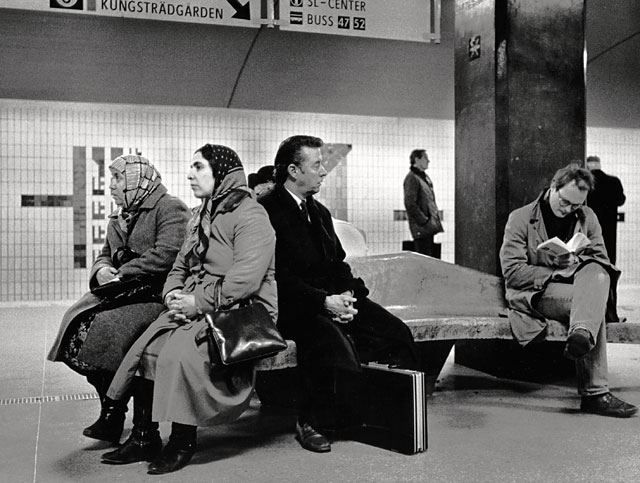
(321, 305)
(605, 198)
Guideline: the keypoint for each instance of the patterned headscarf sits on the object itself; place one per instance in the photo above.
(141, 179)
(229, 180)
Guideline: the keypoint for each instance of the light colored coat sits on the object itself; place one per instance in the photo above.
(527, 272)
(241, 249)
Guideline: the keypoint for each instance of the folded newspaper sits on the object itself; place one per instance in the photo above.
(554, 246)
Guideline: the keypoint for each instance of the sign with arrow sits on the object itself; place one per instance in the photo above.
(236, 13)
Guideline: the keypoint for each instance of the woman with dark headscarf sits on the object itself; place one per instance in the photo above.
(229, 240)
(143, 238)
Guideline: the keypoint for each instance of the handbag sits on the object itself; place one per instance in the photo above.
(242, 334)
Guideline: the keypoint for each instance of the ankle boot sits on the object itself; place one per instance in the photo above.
(145, 443)
(110, 423)
(178, 452)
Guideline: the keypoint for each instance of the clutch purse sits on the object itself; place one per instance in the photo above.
(239, 335)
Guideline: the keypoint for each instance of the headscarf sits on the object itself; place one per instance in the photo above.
(229, 189)
(141, 179)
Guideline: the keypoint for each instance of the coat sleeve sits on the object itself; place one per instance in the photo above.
(519, 273)
(593, 231)
(103, 260)
(411, 194)
(171, 220)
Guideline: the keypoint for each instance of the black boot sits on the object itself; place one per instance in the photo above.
(178, 452)
(145, 443)
(109, 425)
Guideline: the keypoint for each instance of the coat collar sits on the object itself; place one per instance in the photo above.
(148, 204)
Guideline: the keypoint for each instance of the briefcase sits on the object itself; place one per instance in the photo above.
(393, 409)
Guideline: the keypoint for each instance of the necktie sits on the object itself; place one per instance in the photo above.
(303, 210)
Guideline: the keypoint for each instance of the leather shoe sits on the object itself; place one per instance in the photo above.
(173, 458)
(311, 440)
(578, 344)
(108, 427)
(607, 405)
(140, 446)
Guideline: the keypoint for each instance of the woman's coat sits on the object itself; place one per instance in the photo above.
(187, 390)
(157, 236)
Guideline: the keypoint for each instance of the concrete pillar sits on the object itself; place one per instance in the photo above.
(520, 112)
(520, 115)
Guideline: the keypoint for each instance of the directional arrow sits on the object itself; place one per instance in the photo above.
(242, 11)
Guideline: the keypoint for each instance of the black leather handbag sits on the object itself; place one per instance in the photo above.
(239, 335)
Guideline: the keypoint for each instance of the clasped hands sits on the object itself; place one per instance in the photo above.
(340, 307)
(182, 307)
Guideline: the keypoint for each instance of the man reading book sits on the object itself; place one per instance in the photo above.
(575, 287)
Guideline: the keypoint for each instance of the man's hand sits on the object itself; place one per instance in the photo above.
(340, 307)
(106, 274)
(564, 261)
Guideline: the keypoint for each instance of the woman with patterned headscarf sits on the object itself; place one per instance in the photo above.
(229, 240)
(143, 238)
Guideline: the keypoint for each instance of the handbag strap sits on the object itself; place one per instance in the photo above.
(217, 296)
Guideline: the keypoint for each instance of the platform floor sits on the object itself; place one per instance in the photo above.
(481, 429)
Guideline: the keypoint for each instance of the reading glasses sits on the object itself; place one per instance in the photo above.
(565, 202)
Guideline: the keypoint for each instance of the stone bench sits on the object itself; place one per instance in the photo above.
(445, 304)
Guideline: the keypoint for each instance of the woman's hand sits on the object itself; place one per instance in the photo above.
(182, 307)
(106, 274)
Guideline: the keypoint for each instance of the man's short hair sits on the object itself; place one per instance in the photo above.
(573, 172)
(290, 152)
(415, 154)
(593, 159)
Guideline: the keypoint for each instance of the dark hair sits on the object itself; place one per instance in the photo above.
(290, 152)
(252, 180)
(573, 172)
(594, 159)
(265, 174)
(415, 154)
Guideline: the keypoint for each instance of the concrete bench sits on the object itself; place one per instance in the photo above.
(445, 304)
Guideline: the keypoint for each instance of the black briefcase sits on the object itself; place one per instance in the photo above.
(393, 409)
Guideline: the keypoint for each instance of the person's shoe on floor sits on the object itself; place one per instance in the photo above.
(607, 405)
(311, 440)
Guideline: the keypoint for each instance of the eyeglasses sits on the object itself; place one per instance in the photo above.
(563, 202)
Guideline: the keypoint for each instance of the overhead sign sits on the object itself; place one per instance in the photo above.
(237, 13)
(411, 20)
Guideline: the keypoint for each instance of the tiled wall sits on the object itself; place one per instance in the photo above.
(52, 177)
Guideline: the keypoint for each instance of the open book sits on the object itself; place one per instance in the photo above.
(555, 246)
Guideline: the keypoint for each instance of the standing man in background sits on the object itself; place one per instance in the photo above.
(607, 195)
(420, 203)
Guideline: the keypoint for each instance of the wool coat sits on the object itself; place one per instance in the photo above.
(189, 388)
(157, 236)
(310, 266)
(420, 204)
(527, 271)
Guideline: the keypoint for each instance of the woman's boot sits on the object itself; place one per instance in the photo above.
(178, 451)
(109, 425)
(145, 443)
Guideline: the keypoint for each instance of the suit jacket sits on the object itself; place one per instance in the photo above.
(309, 258)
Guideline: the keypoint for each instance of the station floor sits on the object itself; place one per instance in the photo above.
(481, 429)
